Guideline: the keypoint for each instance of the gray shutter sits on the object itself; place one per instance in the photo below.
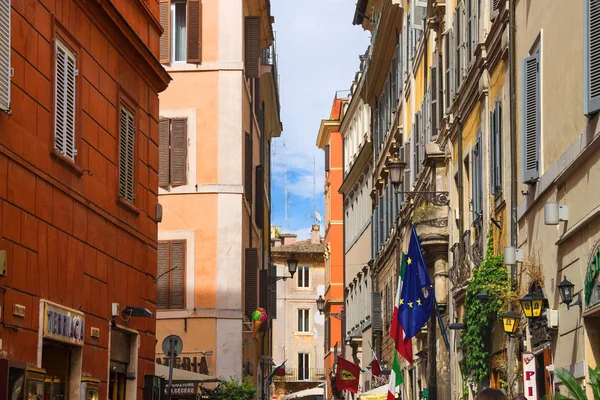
(5, 72)
(377, 318)
(250, 281)
(179, 143)
(492, 153)
(164, 127)
(530, 110)
(252, 47)
(165, 22)
(474, 164)
(448, 77)
(434, 117)
(177, 275)
(126, 155)
(272, 289)
(162, 282)
(458, 43)
(408, 159)
(498, 142)
(65, 101)
(592, 56)
(494, 9)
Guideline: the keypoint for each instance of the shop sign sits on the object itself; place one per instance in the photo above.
(187, 364)
(63, 324)
(529, 376)
(592, 281)
(183, 388)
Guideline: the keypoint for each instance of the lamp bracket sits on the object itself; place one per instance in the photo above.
(577, 303)
(337, 315)
(278, 278)
(436, 198)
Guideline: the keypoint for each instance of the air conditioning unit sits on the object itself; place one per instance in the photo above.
(552, 316)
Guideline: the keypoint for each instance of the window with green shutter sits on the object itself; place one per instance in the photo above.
(127, 130)
(530, 111)
(592, 56)
(477, 180)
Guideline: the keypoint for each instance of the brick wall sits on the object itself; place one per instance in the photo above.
(68, 240)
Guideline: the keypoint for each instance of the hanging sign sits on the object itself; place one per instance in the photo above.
(63, 324)
(529, 376)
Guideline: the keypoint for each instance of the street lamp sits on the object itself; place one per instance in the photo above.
(565, 289)
(320, 304)
(510, 322)
(292, 265)
(532, 304)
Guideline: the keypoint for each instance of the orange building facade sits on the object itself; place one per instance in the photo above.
(79, 81)
(331, 142)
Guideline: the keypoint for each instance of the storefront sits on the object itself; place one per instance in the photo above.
(123, 362)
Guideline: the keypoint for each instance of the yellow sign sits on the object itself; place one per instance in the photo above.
(63, 324)
(347, 376)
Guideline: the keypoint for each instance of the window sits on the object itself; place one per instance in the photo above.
(472, 19)
(248, 161)
(530, 110)
(126, 155)
(65, 89)
(173, 143)
(304, 320)
(448, 86)
(303, 366)
(496, 149)
(303, 277)
(5, 69)
(170, 284)
(458, 47)
(476, 180)
(180, 41)
(592, 56)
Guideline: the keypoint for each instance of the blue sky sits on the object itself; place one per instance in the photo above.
(318, 49)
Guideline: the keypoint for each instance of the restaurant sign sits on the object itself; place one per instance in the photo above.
(592, 281)
(63, 324)
(183, 388)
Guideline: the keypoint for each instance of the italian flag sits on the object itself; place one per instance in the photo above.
(395, 378)
(403, 346)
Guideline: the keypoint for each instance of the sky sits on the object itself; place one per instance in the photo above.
(317, 55)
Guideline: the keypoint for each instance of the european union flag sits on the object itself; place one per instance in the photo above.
(417, 297)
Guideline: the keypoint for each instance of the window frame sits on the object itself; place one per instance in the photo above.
(184, 279)
(303, 314)
(305, 367)
(128, 101)
(303, 270)
(173, 27)
(62, 35)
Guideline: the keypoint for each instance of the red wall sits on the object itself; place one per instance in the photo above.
(67, 238)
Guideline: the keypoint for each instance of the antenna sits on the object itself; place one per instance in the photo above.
(285, 193)
(314, 188)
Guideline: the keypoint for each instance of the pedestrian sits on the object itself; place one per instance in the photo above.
(491, 394)
(520, 397)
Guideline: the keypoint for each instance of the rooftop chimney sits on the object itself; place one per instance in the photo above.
(315, 235)
(288, 238)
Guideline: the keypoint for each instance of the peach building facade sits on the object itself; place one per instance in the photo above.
(216, 123)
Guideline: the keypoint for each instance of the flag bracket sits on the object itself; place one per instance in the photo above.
(436, 198)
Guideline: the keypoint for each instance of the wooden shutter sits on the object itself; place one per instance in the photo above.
(458, 42)
(495, 9)
(126, 155)
(498, 142)
(408, 159)
(592, 56)
(492, 152)
(65, 101)
(177, 275)
(162, 283)
(248, 168)
(165, 39)
(194, 31)
(272, 288)
(250, 281)
(433, 114)
(447, 61)
(327, 158)
(259, 205)
(377, 318)
(163, 152)
(252, 47)
(400, 64)
(179, 144)
(530, 110)
(5, 69)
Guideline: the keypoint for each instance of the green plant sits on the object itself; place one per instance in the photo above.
(425, 213)
(574, 387)
(231, 389)
(492, 277)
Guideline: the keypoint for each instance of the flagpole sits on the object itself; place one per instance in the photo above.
(442, 327)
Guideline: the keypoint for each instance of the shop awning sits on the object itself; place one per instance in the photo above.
(314, 392)
(182, 375)
(378, 393)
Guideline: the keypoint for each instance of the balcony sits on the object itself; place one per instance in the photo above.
(268, 63)
(291, 375)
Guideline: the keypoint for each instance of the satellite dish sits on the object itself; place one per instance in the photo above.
(317, 216)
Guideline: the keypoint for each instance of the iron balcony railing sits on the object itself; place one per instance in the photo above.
(268, 56)
(296, 375)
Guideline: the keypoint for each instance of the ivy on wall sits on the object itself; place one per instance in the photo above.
(480, 316)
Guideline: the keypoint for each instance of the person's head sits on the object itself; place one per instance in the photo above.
(491, 394)
(520, 397)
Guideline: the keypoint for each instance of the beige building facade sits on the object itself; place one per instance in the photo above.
(298, 330)
(217, 122)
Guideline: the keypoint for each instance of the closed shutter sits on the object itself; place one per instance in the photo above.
(592, 56)
(419, 13)
(162, 282)
(495, 7)
(327, 158)
(250, 281)
(65, 92)
(179, 144)
(498, 149)
(259, 205)
(492, 153)
(194, 31)
(394, 83)
(458, 43)
(407, 169)
(422, 122)
(375, 234)
(126, 155)
(248, 168)
(252, 47)
(5, 71)
(381, 220)
(476, 179)
(530, 110)
(448, 88)
(165, 39)
(177, 273)
(272, 301)
(377, 318)
(263, 294)
(400, 65)
(163, 152)
(434, 102)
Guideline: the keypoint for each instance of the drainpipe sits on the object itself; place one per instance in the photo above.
(461, 195)
(513, 172)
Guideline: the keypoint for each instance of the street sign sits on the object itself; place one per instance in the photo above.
(177, 345)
